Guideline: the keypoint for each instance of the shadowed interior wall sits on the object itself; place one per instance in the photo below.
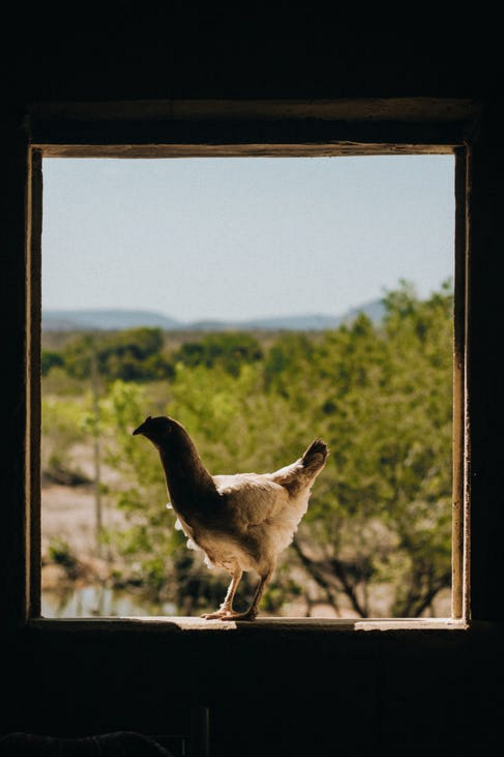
(288, 691)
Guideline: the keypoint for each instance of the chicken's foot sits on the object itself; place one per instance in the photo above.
(226, 608)
(252, 612)
(221, 614)
(233, 615)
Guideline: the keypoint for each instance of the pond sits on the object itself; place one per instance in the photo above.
(100, 601)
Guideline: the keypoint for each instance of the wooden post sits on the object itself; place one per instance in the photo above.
(96, 448)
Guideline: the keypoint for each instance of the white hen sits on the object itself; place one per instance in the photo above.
(241, 522)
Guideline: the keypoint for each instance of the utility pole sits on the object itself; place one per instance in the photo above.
(96, 447)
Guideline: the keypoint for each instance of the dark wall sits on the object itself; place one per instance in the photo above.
(288, 52)
(284, 692)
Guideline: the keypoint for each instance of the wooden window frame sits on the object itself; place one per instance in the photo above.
(238, 129)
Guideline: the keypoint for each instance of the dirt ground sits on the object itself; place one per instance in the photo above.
(69, 517)
(68, 514)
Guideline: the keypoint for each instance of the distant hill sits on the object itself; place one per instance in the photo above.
(105, 320)
(117, 320)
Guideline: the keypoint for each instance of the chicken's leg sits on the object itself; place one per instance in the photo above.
(226, 608)
(251, 613)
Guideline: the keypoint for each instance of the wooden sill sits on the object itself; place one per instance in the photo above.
(183, 624)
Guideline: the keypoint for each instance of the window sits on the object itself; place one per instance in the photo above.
(49, 151)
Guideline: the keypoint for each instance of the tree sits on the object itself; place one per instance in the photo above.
(50, 359)
(130, 355)
(385, 519)
(229, 349)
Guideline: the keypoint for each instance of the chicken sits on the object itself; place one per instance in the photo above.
(241, 522)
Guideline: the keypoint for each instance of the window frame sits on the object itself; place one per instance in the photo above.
(205, 128)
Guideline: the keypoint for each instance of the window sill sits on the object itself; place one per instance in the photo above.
(261, 625)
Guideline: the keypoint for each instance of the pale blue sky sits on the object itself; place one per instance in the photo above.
(236, 238)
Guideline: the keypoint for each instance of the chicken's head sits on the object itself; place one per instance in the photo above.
(159, 429)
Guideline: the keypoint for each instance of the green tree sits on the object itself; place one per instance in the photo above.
(130, 355)
(62, 429)
(385, 520)
(50, 359)
(231, 350)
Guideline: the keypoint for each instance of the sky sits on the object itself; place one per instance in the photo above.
(240, 238)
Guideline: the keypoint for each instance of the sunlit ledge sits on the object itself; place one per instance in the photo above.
(181, 624)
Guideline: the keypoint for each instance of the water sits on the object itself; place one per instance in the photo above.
(100, 601)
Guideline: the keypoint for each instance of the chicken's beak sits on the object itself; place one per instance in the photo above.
(142, 428)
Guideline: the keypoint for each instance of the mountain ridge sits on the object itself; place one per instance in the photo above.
(98, 319)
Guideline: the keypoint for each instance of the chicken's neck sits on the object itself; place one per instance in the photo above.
(190, 485)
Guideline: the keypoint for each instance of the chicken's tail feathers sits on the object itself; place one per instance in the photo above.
(315, 456)
(304, 471)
